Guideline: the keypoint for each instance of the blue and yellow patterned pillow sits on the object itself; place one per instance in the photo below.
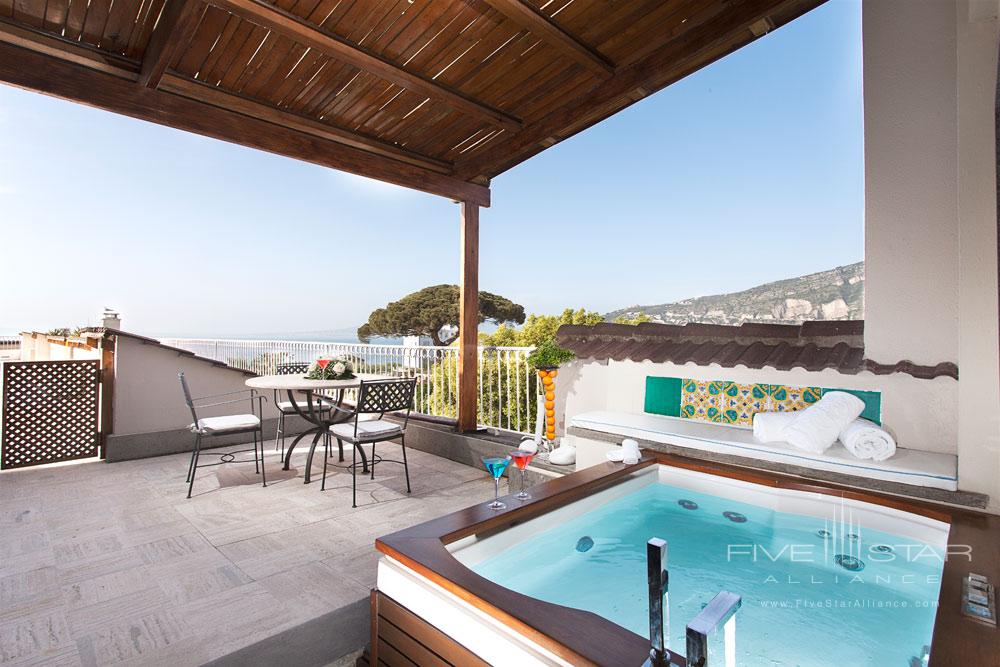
(726, 402)
(702, 400)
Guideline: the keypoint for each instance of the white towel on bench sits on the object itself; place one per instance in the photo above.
(770, 426)
(817, 427)
(867, 440)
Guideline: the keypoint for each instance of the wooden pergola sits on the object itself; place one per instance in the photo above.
(435, 95)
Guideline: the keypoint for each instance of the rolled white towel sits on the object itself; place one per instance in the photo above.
(817, 427)
(630, 451)
(867, 440)
(770, 426)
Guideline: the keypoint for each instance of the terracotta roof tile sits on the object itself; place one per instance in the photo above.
(813, 346)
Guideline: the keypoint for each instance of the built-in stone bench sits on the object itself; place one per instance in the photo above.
(915, 473)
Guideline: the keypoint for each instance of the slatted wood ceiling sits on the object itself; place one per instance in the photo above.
(440, 95)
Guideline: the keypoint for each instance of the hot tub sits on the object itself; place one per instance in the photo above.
(826, 575)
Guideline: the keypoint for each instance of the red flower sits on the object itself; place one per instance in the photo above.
(323, 363)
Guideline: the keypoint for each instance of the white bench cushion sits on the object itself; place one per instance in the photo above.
(907, 466)
(228, 423)
(376, 428)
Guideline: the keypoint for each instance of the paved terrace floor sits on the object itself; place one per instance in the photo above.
(109, 564)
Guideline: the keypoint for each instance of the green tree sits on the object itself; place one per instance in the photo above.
(65, 332)
(426, 312)
(508, 387)
(538, 329)
(637, 318)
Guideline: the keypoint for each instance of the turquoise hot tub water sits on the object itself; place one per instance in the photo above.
(814, 592)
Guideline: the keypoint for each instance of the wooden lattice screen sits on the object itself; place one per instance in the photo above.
(50, 412)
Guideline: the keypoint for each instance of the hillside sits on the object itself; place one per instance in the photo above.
(837, 294)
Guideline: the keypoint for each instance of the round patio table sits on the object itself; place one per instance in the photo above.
(317, 410)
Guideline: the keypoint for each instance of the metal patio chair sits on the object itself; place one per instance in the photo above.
(208, 427)
(375, 397)
(286, 407)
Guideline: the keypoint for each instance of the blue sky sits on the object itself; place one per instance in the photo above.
(748, 171)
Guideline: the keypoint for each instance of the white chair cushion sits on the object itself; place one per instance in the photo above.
(366, 430)
(228, 423)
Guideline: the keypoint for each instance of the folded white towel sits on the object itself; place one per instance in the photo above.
(770, 426)
(817, 427)
(867, 440)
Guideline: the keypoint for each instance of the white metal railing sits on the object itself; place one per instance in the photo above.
(507, 384)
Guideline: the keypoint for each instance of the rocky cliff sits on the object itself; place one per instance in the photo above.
(837, 294)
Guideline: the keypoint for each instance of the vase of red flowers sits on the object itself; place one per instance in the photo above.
(331, 368)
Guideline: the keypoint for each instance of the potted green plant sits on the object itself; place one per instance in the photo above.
(546, 359)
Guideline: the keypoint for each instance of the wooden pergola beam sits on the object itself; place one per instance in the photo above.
(288, 24)
(35, 71)
(552, 33)
(175, 27)
(62, 49)
(217, 97)
(690, 51)
(202, 92)
(468, 343)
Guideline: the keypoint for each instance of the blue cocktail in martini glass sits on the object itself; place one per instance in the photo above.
(495, 465)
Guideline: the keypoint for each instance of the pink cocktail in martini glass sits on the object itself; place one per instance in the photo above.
(521, 459)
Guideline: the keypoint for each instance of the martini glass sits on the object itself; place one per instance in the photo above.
(521, 459)
(495, 465)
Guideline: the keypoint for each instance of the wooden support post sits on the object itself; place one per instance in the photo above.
(108, 347)
(468, 344)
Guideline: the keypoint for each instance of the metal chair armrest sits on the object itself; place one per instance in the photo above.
(212, 405)
(228, 393)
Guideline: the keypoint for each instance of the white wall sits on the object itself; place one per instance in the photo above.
(921, 414)
(148, 396)
(930, 206)
(911, 235)
(979, 361)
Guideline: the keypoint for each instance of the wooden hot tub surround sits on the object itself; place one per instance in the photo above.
(584, 638)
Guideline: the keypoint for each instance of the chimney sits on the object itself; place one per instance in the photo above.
(111, 319)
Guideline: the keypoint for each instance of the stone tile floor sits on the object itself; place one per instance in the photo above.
(108, 564)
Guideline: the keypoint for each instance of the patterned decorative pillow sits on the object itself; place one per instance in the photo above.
(702, 400)
(734, 403)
